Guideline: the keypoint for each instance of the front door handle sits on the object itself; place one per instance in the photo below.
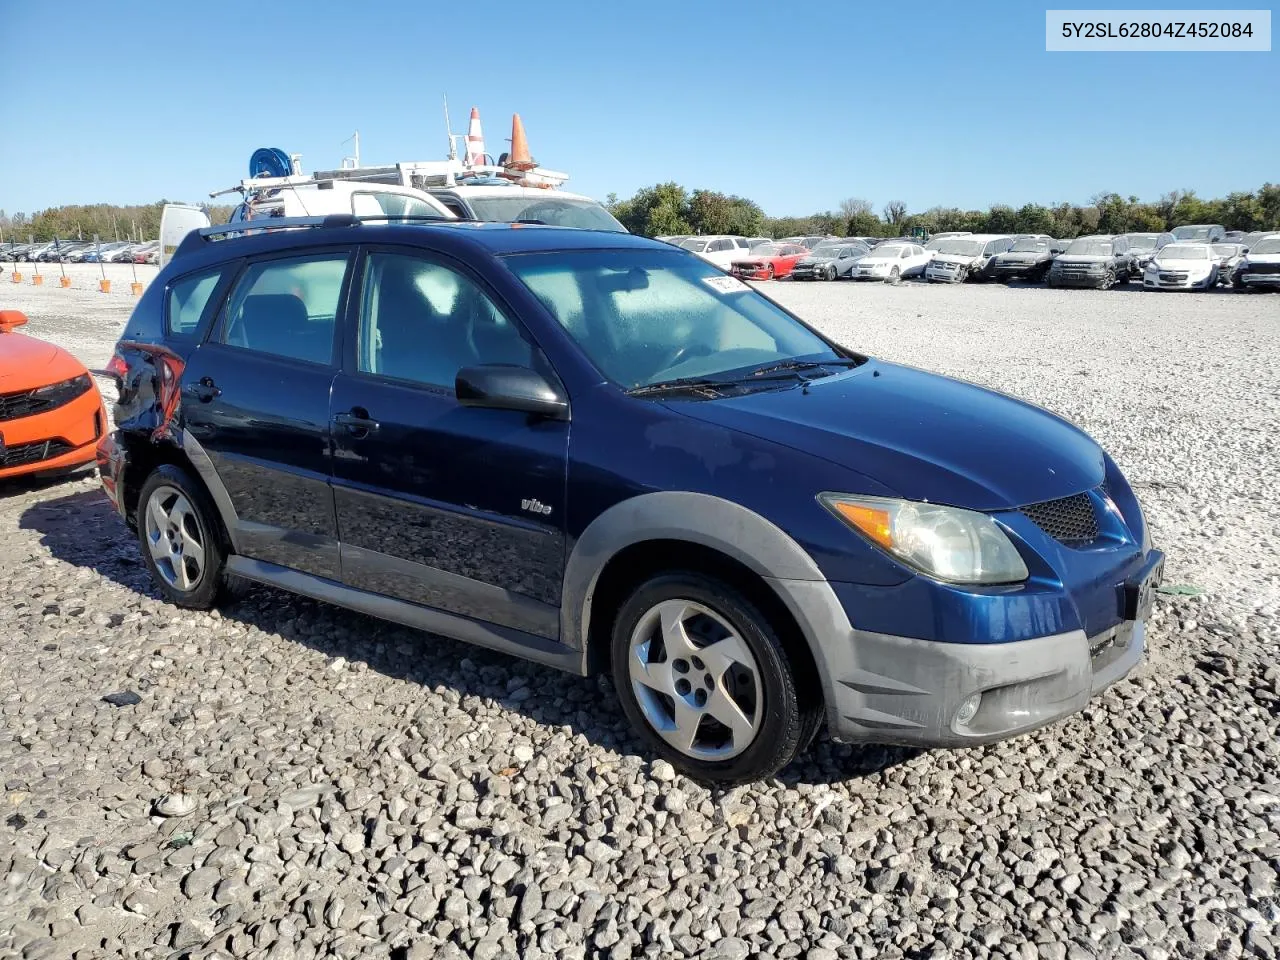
(358, 422)
(204, 390)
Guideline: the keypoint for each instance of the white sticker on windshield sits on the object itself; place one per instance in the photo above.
(725, 284)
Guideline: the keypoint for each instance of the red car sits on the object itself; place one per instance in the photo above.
(769, 261)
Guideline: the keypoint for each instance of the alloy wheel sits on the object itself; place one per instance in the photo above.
(175, 538)
(695, 680)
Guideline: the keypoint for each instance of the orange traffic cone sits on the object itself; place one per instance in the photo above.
(519, 158)
(475, 139)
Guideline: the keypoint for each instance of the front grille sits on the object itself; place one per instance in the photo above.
(1173, 277)
(22, 454)
(23, 404)
(1070, 520)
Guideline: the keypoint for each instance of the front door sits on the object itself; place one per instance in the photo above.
(255, 398)
(452, 507)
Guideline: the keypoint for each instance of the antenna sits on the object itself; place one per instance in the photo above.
(448, 129)
(355, 165)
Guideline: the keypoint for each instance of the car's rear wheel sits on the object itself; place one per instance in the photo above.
(705, 679)
(180, 538)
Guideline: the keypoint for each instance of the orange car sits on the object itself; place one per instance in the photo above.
(51, 414)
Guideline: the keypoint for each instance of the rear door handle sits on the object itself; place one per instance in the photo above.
(357, 422)
(204, 391)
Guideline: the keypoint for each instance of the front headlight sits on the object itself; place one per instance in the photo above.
(64, 391)
(1152, 268)
(946, 543)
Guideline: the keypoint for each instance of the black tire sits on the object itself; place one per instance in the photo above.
(787, 720)
(770, 272)
(895, 276)
(211, 585)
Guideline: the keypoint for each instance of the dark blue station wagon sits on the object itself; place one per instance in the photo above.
(600, 453)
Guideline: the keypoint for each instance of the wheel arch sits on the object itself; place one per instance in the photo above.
(145, 455)
(668, 530)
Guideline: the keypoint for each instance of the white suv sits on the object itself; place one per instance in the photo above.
(720, 251)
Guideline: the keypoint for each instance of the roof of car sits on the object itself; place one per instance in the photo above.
(494, 238)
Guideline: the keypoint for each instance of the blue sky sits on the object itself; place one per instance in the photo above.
(795, 105)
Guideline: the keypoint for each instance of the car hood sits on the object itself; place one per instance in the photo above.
(1267, 258)
(1164, 263)
(26, 363)
(956, 257)
(1020, 257)
(925, 436)
(1082, 258)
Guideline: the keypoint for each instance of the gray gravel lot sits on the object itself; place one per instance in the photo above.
(343, 787)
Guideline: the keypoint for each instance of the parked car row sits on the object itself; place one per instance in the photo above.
(81, 251)
(1195, 256)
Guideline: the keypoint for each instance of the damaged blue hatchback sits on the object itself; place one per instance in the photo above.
(602, 454)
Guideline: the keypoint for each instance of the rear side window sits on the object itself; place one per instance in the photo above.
(287, 307)
(188, 298)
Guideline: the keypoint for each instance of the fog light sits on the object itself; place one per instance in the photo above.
(969, 709)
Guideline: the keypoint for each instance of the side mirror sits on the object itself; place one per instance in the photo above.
(500, 386)
(10, 320)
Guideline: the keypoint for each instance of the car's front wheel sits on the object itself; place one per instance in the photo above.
(706, 680)
(180, 538)
(895, 276)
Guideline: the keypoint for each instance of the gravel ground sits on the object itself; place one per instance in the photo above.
(296, 781)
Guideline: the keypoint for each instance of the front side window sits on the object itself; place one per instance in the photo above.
(188, 297)
(648, 317)
(287, 307)
(423, 322)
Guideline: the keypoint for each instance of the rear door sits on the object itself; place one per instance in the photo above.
(452, 507)
(255, 399)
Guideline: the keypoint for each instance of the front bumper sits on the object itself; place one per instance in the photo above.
(1260, 278)
(750, 273)
(59, 439)
(1177, 281)
(1017, 271)
(1077, 277)
(890, 688)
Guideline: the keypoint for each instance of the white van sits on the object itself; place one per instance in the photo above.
(305, 197)
(967, 257)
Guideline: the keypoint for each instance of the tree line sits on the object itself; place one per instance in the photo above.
(668, 208)
(81, 221)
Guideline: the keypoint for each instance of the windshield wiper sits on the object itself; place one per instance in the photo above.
(794, 366)
(680, 385)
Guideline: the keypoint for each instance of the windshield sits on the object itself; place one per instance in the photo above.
(767, 249)
(646, 317)
(1085, 247)
(1191, 233)
(1270, 245)
(885, 251)
(1184, 251)
(1227, 249)
(1029, 245)
(557, 211)
(826, 249)
(960, 247)
(1142, 241)
(696, 244)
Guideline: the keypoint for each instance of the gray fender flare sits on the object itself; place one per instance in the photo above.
(745, 536)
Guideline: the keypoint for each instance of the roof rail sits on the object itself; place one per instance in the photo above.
(222, 231)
